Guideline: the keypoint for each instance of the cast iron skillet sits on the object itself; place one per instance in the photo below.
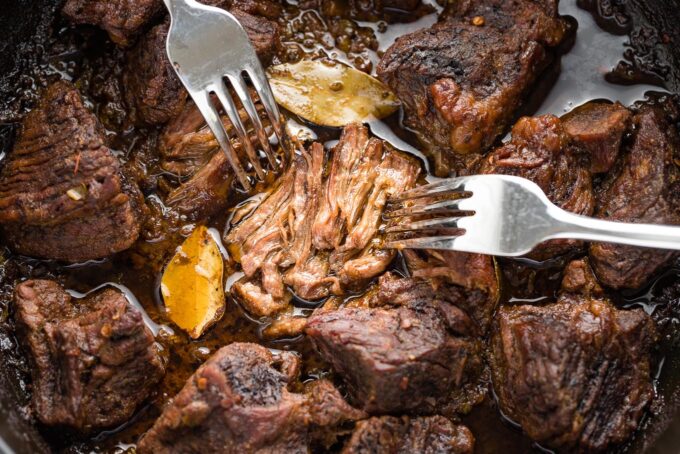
(653, 57)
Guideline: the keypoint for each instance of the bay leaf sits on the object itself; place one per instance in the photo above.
(330, 94)
(191, 286)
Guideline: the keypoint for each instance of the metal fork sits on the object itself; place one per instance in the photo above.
(503, 216)
(207, 45)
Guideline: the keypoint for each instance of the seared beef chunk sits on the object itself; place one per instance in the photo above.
(578, 281)
(238, 401)
(542, 151)
(469, 280)
(315, 234)
(404, 435)
(597, 128)
(122, 19)
(94, 361)
(189, 150)
(62, 193)
(263, 33)
(576, 374)
(414, 352)
(206, 192)
(153, 89)
(153, 92)
(462, 83)
(329, 414)
(645, 188)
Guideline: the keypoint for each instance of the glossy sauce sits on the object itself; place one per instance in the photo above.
(581, 79)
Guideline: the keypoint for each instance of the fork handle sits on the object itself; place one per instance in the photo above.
(573, 226)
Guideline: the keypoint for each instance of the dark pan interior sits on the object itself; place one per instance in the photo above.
(654, 56)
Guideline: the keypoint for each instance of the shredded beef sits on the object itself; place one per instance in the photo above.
(189, 151)
(63, 195)
(94, 361)
(316, 234)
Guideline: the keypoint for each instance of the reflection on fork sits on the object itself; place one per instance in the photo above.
(210, 49)
(504, 216)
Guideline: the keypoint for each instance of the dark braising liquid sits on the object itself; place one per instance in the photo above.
(359, 43)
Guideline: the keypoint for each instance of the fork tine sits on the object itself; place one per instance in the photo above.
(428, 224)
(242, 92)
(448, 185)
(261, 85)
(202, 100)
(442, 207)
(231, 110)
(434, 242)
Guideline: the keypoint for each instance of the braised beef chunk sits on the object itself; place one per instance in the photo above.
(329, 414)
(410, 356)
(263, 33)
(467, 280)
(393, 435)
(153, 90)
(541, 151)
(576, 374)
(645, 188)
(316, 234)
(462, 83)
(597, 128)
(121, 19)
(578, 280)
(238, 401)
(94, 360)
(189, 151)
(62, 193)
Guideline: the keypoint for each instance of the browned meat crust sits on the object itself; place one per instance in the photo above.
(315, 234)
(389, 434)
(542, 151)
(62, 149)
(462, 83)
(121, 19)
(644, 188)
(597, 128)
(414, 352)
(239, 401)
(153, 92)
(94, 361)
(469, 280)
(577, 374)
